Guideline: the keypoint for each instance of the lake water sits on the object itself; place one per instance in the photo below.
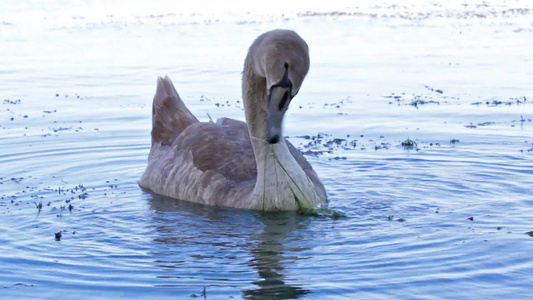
(417, 117)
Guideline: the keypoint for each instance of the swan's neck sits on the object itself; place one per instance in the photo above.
(281, 183)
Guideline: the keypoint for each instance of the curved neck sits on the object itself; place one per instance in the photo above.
(254, 96)
(281, 183)
(254, 100)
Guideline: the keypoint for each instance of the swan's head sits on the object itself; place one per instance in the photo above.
(282, 58)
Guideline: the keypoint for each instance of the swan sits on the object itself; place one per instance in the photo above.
(229, 162)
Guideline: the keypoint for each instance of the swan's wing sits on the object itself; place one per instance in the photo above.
(170, 116)
(223, 147)
(208, 163)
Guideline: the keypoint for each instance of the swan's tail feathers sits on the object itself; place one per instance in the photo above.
(170, 116)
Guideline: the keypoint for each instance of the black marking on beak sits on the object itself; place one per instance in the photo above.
(283, 100)
(285, 82)
(276, 109)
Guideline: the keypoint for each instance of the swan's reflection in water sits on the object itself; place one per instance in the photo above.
(222, 248)
(270, 261)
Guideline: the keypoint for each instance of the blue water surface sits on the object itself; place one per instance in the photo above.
(417, 118)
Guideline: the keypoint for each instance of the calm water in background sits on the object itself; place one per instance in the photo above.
(447, 219)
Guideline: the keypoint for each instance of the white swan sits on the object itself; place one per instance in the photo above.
(232, 163)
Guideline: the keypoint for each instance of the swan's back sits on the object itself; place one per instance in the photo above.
(220, 148)
(193, 160)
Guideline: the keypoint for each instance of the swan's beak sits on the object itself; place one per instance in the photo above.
(278, 102)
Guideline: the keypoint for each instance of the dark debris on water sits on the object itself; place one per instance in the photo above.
(59, 200)
(12, 102)
(496, 102)
(409, 144)
(203, 294)
(323, 143)
(391, 218)
(416, 100)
